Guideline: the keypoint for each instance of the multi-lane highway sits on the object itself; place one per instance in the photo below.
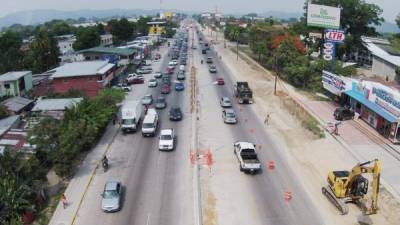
(158, 186)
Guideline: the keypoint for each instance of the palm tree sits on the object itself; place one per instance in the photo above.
(14, 198)
(235, 33)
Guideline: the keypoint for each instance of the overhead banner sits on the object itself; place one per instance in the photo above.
(323, 16)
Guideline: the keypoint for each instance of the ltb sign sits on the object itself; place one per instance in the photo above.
(333, 35)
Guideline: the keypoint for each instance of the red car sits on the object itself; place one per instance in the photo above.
(220, 81)
(170, 70)
(165, 89)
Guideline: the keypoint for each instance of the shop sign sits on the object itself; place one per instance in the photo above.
(334, 83)
(334, 35)
(387, 107)
(386, 96)
(323, 16)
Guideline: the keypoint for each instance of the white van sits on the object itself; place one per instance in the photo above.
(150, 123)
(182, 68)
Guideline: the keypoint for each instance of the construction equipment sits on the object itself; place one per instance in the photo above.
(351, 186)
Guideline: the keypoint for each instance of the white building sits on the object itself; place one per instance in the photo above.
(65, 43)
(385, 60)
(106, 40)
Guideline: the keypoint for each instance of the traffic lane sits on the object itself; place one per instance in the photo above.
(252, 129)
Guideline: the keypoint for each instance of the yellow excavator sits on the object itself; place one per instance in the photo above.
(351, 186)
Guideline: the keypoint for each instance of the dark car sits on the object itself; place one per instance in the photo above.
(209, 60)
(204, 51)
(343, 113)
(160, 102)
(175, 113)
(165, 89)
(179, 86)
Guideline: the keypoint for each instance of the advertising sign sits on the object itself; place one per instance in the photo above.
(329, 51)
(334, 35)
(386, 100)
(156, 30)
(323, 16)
(334, 83)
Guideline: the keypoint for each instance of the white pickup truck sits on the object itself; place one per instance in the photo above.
(247, 156)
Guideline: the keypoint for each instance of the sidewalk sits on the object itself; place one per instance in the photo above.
(79, 183)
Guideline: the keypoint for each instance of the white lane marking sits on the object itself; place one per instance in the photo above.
(148, 219)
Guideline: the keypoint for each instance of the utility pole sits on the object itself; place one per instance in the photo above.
(276, 73)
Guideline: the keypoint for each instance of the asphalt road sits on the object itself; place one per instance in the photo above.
(263, 202)
(156, 185)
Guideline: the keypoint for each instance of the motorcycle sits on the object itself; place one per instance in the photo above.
(201, 61)
(105, 166)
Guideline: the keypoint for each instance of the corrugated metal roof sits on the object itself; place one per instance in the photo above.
(16, 104)
(56, 104)
(15, 75)
(106, 50)
(75, 69)
(372, 44)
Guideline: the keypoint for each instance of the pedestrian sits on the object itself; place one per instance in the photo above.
(336, 130)
(64, 201)
(114, 118)
(266, 120)
(146, 107)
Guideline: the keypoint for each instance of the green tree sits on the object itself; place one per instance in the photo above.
(62, 28)
(398, 20)
(45, 51)
(10, 57)
(122, 30)
(142, 28)
(86, 37)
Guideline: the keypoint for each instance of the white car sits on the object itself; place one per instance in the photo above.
(225, 102)
(147, 99)
(229, 116)
(172, 64)
(152, 83)
(167, 140)
(175, 62)
(157, 75)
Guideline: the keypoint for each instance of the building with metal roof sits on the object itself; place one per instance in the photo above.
(118, 56)
(54, 107)
(87, 77)
(15, 83)
(17, 104)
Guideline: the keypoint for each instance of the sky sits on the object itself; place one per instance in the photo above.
(390, 7)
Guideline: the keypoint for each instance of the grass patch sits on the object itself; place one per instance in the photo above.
(307, 120)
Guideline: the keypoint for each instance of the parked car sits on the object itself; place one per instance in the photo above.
(144, 70)
(111, 196)
(147, 99)
(152, 83)
(165, 89)
(212, 69)
(167, 140)
(175, 113)
(157, 75)
(225, 102)
(343, 113)
(123, 87)
(160, 103)
(220, 81)
(229, 116)
(179, 86)
(135, 79)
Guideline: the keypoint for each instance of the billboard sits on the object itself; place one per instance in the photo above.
(335, 84)
(323, 16)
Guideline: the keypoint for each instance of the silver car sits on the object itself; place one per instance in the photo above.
(111, 197)
(225, 102)
(147, 99)
(229, 116)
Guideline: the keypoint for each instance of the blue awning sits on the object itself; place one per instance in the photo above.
(372, 106)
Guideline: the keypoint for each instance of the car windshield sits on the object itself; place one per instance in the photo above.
(160, 100)
(128, 121)
(230, 114)
(148, 125)
(110, 194)
(227, 101)
(166, 137)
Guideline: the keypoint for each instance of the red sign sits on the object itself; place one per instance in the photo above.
(334, 35)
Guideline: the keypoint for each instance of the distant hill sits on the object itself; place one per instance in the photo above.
(387, 27)
(34, 17)
(281, 15)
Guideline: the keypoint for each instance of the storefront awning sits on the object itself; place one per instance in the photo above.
(372, 106)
